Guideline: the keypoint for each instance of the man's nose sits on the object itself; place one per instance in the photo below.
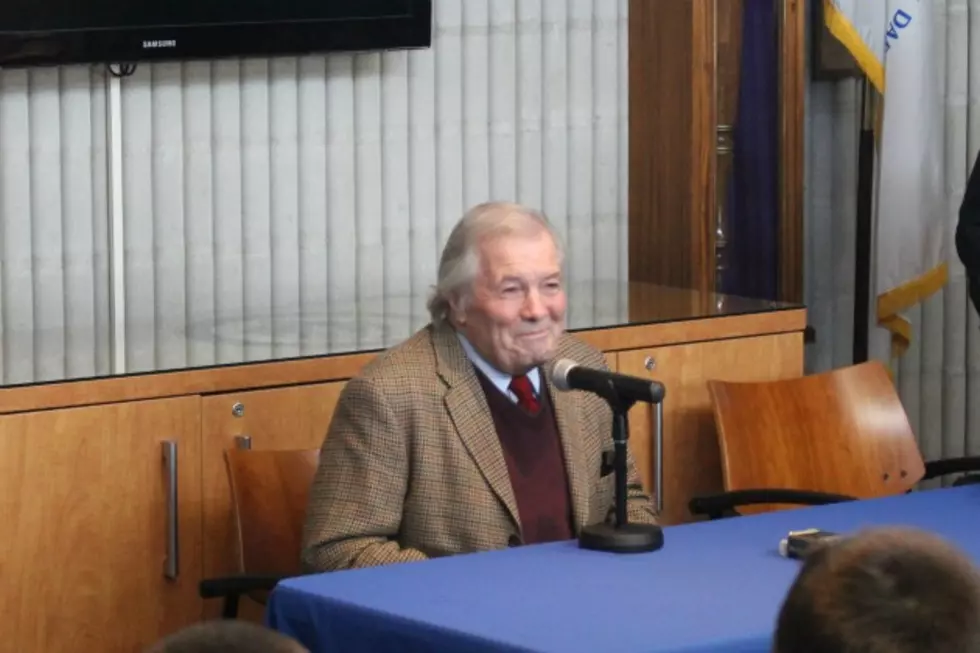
(533, 308)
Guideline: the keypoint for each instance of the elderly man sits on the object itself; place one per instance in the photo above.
(453, 441)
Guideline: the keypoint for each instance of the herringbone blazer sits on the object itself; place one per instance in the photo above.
(411, 467)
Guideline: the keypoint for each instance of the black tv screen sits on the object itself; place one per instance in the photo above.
(55, 32)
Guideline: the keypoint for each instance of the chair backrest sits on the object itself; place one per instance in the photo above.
(843, 431)
(270, 490)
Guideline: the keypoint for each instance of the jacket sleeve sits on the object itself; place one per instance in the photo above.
(639, 505)
(355, 505)
(968, 233)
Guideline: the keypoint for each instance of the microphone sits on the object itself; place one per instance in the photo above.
(568, 375)
(620, 392)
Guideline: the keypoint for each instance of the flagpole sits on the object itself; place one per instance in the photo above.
(864, 229)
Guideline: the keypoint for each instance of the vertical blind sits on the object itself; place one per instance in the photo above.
(54, 274)
(296, 205)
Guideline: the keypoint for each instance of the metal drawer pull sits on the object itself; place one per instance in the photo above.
(171, 566)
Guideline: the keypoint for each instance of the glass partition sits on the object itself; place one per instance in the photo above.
(372, 324)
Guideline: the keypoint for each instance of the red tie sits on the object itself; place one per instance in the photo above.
(521, 387)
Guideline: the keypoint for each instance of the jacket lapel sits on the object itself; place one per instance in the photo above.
(571, 442)
(471, 416)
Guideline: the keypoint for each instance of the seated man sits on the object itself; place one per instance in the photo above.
(968, 233)
(227, 636)
(454, 441)
(883, 591)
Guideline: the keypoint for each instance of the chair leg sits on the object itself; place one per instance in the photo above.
(230, 608)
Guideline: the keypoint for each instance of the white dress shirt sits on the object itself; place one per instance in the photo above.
(500, 380)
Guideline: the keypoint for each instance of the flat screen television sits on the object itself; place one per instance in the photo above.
(58, 32)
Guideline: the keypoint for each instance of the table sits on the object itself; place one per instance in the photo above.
(715, 586)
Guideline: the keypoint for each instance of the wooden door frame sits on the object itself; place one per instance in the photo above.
(673, 172)
(792, 98)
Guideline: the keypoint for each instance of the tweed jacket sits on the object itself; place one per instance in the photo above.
(412, 468)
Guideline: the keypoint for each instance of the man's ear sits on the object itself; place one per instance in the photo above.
(457, 309)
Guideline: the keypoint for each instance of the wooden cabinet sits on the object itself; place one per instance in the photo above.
(293, 417)
(87, 528)
(691, 460)
(612, 360)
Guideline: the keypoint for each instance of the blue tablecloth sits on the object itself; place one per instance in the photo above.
(715, 586)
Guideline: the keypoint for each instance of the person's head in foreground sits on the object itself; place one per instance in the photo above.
(500, 285)
(890, 590)
(227, 636)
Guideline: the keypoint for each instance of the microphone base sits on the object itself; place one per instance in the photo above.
(628, 538)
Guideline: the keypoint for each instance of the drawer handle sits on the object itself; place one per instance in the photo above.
(171, 566)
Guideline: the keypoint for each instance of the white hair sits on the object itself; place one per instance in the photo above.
(460, 261)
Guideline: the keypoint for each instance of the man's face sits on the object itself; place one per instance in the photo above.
(516, 310)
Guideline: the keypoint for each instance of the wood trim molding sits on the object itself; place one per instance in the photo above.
(704, 142)
(708, 329)
(792, 95)
(159, 385)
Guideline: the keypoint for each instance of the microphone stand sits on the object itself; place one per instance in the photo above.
(621, 536)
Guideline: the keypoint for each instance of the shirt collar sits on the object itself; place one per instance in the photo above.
(500, 380)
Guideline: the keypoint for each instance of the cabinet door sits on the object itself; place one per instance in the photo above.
(86, 526)
(296, 417)
(691, 462)
(612, 360)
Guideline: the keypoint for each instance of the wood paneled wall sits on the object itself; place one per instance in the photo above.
(684, 76)
(672, 121)
(792, 92)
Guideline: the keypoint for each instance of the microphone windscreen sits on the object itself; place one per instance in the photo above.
(559, 373)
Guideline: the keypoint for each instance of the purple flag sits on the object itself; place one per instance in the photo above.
(752, 214)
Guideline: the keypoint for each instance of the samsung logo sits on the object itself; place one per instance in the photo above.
(164, 43)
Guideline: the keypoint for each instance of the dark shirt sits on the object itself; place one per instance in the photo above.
(968, 233)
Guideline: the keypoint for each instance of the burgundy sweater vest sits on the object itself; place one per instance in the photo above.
(533, 453)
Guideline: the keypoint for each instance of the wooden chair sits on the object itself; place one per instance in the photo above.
(269, 490)
(836, 436)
